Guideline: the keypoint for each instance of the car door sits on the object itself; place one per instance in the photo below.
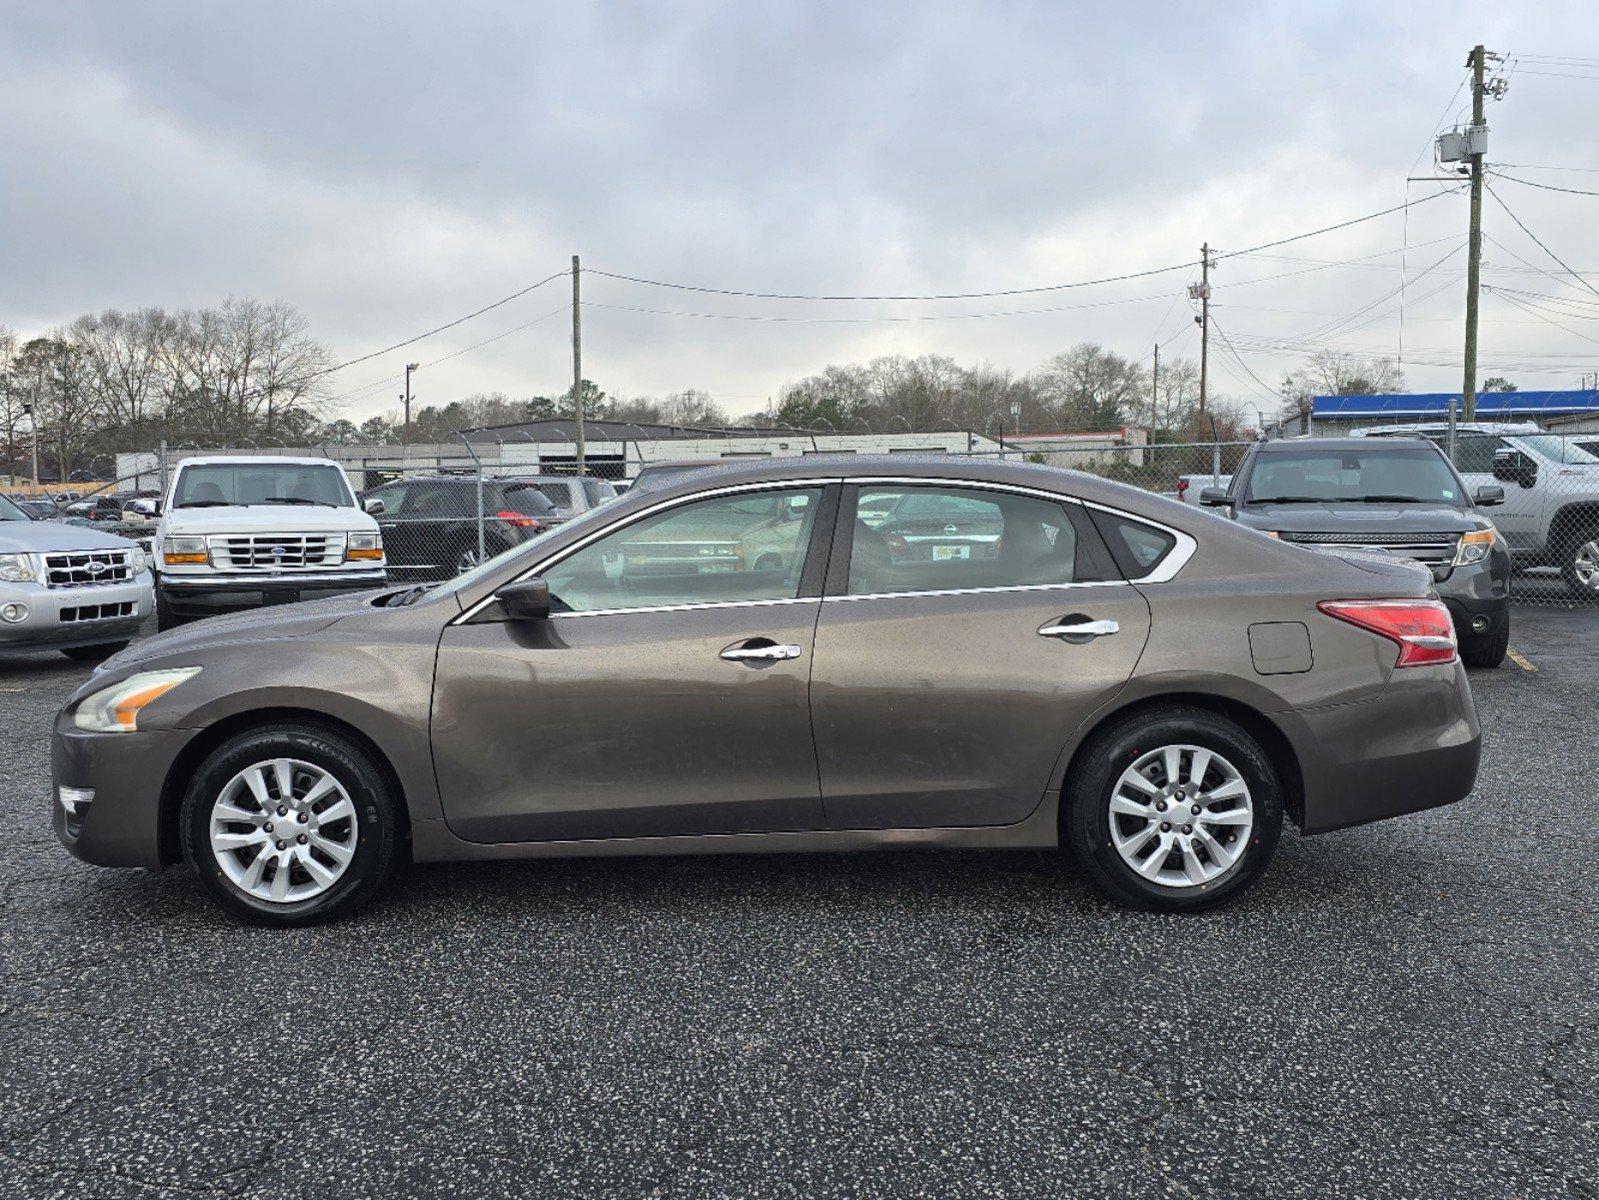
(667, 692)
(943, 689)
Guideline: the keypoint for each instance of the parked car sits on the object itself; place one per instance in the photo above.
(99, 508)
(570, 494)
(1550, 517)
(38, 508)
(1137, 681)
(1395, 496)
(430, 526)
(80, 591)
(238, 532)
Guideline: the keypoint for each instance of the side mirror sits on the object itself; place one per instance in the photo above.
(1513, 466)
(374, 506)
(1488, 494)
(525, 600)
(1215, 497)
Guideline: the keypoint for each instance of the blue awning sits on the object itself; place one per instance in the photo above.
(1435, 405)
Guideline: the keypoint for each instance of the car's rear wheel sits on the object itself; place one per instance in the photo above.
(1172, 809)
(94, 654)
(290, 824)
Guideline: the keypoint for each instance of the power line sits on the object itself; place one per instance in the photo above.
(1026, 291)
(1541, 246)
(1547, 187)
(760, 318)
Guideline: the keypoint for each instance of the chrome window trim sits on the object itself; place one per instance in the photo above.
(1175, 560)
(978, 591)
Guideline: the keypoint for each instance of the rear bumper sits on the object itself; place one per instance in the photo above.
(1414, 747)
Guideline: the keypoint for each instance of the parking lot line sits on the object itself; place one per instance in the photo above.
(1520, 660)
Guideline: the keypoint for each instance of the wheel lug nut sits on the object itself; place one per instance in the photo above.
(283, 810)
(1196, 810)
(1160, 805)
(267, 827)
(302, 818)
(301, 839)
(1165, 826)
(1188, 829)
(283, 845)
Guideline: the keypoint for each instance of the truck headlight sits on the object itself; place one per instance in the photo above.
(115, 709)
(17, 568)
(181, 551)
(1474, 546)
(361, 546)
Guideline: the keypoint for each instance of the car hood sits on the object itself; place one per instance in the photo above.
(275, 622)
(1357, 519)
(34, 537)
(267, 518)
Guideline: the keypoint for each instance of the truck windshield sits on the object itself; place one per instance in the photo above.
(208, 485)
(1376, 474)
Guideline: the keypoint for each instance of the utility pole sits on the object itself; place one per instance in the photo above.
(405, 436)
(577, 367)
(1154, 394)
(1474, 245)
(33, 424)
(1201, 291)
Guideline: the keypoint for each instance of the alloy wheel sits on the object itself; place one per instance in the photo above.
(1181, 816)
(1585, 564)
(284, 830)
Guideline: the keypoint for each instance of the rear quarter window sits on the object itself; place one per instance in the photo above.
(1138, 548)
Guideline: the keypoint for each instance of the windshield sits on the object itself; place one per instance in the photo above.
(1557, 449)
(207, 485)
(1367, 474)
(10, 512)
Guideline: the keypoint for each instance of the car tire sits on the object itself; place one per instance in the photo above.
(1487, 650)
(1579, 562)
(1095, 836)
(94, 654)
(370, 835)
(165, 617)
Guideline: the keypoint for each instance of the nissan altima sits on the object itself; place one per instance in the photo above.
(1144, 685)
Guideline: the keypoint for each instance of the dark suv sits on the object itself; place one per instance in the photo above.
(430, 523)
(1394, 496)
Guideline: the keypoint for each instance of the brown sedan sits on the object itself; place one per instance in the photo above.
(1143, 684)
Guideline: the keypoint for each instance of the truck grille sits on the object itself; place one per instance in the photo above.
(276, 551)
(1432, 549)
(86, 568)
(97, 612)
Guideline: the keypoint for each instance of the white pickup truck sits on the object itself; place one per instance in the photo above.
(238, 532)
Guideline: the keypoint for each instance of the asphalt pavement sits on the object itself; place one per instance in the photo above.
(1409, 1009)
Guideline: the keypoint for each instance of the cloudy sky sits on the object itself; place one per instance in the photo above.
(389, 167)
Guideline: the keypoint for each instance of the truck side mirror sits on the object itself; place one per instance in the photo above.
(525, 599)
(375, 506)
(1215, 497)
(1488, 494)
(1514, 466)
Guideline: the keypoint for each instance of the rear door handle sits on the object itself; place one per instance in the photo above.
(1078, 627)
(765, 652)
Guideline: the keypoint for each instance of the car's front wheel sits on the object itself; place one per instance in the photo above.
(1172, 809)
(290, 824)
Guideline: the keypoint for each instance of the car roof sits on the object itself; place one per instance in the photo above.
(256, 460)
(1443, 427)
(1338, 443)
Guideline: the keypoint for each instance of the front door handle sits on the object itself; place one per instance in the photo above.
(764, 651)
(1073, 628)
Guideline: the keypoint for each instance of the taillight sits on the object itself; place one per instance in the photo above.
(520, 520)
(1422, 629)
(1182, 487)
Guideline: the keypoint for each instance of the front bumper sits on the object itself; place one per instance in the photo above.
(1478, 591)
(60, 618)
(122, 826)
(1415, 746)
(216, 592)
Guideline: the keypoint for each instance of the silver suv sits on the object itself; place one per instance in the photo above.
(69, 587)
(1550, 516)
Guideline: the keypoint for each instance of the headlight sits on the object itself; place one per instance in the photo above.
(137, 559)
(364, 546)
(1474, 546)
(116, 709)
(17, 568)
(178, 551)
